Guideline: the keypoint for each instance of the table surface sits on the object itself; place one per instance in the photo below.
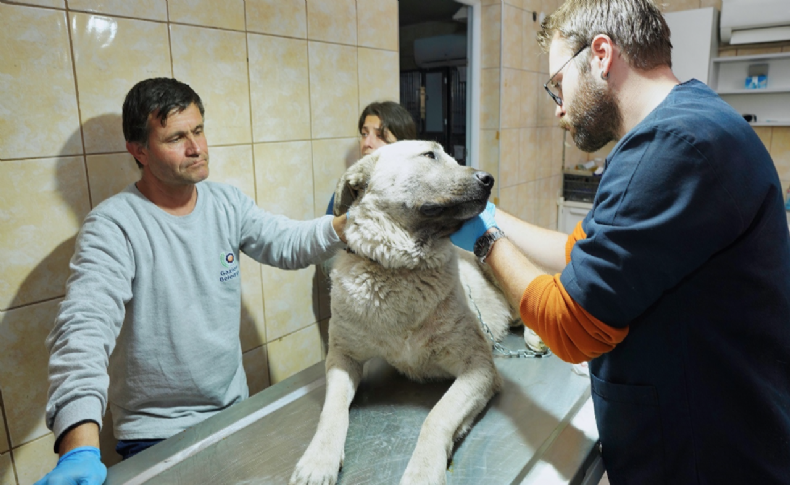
(539, 429)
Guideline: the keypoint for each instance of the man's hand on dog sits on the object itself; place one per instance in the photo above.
(475, 227)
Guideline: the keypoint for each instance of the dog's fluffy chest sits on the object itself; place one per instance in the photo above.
(403, 316)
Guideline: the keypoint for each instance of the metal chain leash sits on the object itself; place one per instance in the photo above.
(499, 348)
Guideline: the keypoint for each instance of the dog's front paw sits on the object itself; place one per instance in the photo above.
(425, 471)
(534, 342)
(316, 469)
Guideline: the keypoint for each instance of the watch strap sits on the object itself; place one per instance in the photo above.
(485, 242)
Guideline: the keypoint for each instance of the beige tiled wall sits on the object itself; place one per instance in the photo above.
(282, 82)
(520, 142)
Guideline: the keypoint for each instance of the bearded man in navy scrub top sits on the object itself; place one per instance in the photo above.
(676, 286)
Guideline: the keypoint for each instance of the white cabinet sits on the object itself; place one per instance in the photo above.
(694, 42)
(771, 104)
(570, 213)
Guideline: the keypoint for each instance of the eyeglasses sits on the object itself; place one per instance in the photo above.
(556, 97)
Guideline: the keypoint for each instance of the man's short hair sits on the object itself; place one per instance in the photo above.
(394, 118)
(159, 96)
(636, 27)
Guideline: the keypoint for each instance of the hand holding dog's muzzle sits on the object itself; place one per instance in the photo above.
(475, 227)
(79, 466)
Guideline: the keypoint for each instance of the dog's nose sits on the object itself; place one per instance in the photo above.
(485, 178)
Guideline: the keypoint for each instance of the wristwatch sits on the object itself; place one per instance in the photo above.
(485, 242)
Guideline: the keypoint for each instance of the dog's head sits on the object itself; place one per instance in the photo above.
(405, 197)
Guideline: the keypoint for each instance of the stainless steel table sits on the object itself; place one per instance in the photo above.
(539, 430)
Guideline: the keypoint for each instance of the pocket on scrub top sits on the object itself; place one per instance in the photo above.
(629, 427)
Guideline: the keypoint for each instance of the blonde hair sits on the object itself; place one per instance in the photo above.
(635, 26)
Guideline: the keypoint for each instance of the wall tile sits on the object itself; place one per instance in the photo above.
(376, 82)
(35, 65)
(278, 17)
(544, 214)
(489, 99)
(528, 155)
(544, 152)
(44, 3)
(279, 88)
(376, 26)
(331, 158)
(489, 154)
(546, 107)
(23, 369)
(35, 459)
(530, 89)
(528, 201)
(290, 300)
(509, 141)
(228, 14)
(109, 174)
(332, 21)
(6, 469)
(217, 71)
(283, 177)
(530, 50)
(294, 353)
(111, 56)
(490, 34)
(508, 199)
(44, 202)
(4, 445)
(139, 9)
(334, 94)
(233, 165)
(531, 5)
(256, 366)
(780, 151)
(512, 33)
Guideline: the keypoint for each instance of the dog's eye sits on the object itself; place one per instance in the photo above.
(429, 155)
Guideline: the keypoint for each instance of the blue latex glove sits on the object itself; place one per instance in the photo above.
(80, 466)
(475, 227)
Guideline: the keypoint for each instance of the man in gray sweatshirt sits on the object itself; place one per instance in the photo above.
(150, 321)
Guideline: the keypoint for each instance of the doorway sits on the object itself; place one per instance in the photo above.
(434, 72)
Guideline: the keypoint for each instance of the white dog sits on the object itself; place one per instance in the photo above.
(396, 293)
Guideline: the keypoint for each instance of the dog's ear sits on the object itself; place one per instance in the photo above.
(353, 183)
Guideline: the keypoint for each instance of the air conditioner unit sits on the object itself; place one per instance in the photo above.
(441, 50)
(752, 21)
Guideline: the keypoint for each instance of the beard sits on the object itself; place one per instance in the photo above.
(594, 119)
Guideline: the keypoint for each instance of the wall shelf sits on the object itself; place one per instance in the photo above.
(771, 105)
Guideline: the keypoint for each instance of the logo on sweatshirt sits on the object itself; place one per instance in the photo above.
(231, 270)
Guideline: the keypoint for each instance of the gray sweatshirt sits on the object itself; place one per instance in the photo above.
(153, 304)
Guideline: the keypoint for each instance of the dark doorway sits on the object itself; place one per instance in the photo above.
(433, 78)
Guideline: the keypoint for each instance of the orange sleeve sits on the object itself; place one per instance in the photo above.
(577, 235)
(570, 332)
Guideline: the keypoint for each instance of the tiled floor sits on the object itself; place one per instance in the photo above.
(604, 479)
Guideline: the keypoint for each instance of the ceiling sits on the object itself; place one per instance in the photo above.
(418, 11)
